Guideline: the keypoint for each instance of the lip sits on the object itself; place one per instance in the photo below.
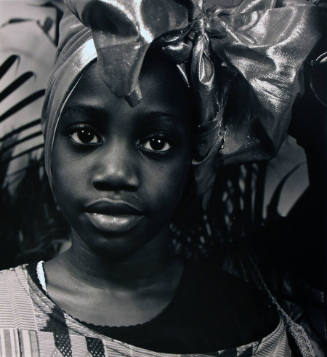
(113, 216)
(113, 223)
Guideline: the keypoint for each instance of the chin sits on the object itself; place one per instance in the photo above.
(118, 246)
(113, 247)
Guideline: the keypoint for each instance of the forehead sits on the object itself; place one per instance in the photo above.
(163, 89)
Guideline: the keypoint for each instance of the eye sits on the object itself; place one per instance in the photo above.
(84, 135)
(156, 144)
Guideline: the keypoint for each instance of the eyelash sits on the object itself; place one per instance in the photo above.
(160, 137)
(143, 144)
(76, 130)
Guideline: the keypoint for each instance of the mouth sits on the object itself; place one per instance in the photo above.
(113, 216)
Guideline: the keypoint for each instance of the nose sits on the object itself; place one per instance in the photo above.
(115, 168)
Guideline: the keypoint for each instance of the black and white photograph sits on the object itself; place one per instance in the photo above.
(163, 178)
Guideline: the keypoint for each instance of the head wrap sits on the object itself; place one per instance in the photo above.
(261, 44)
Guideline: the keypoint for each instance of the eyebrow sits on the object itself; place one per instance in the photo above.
(167, 121)
(94, 112)
(85, 109)
(93, 109)
(162, 115)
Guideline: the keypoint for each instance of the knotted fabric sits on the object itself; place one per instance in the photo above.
(242, 59)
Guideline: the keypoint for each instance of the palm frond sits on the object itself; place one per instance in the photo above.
(272, 208)
(8, 63)
(16, 84)
(20, 141)
(6, 157)
(25, 152)
(27, 234)
(20, 129)
(259, 187)
(23, 103)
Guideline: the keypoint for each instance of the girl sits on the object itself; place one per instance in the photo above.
(134, 125)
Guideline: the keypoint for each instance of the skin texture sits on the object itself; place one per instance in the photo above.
(106, 149)
(103, 149)
(128, 278)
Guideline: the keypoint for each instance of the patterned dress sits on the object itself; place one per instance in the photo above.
(32, 325)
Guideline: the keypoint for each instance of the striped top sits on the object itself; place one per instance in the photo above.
(32, 325)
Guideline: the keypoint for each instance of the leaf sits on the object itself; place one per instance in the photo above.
(272, 208)
(16, 84)
(34, 148)
(7, 64)
(23, 103)
(21, 129)
(20, 141)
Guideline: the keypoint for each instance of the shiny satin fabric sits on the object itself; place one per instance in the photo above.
(243, 55)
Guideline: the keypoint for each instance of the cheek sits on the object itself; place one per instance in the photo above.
(63, 190)
(67, 174)
(165, 187)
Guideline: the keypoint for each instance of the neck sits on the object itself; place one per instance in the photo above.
(139, 269)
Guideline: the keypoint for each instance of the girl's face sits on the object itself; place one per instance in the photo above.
(119, 172)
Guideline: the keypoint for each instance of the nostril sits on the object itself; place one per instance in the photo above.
(116, 181)
(115, 168)
(100, 186)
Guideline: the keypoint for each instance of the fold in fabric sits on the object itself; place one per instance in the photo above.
(242, 59)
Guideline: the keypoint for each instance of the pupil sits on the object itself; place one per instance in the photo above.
(85, 135)
(157, 144)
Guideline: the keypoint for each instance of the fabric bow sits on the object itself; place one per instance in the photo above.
(243, 62)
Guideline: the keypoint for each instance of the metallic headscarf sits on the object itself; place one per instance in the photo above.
(261, 45)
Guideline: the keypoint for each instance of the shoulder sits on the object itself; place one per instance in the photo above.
(224, 285)
(13, 283)
(15, 296)
(237, 308)
(12, 277)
